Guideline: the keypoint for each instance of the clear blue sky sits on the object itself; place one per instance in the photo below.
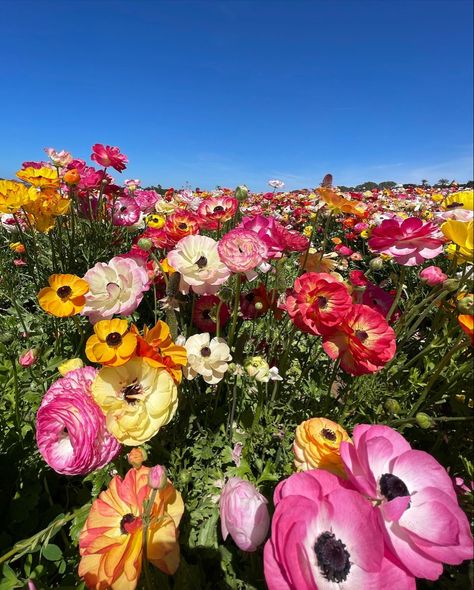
(229, 92)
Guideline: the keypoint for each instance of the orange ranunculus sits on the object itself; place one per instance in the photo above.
(112, 344)
(467, 325)
(40, 177)
(111, 542)
(339, 203)
(72, 177)
(317, 443)
(158, 350)
(65, 295)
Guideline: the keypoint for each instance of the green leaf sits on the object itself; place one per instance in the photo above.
(52, 552)
(208, 533)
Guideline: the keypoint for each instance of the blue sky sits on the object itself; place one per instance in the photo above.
(230, 92)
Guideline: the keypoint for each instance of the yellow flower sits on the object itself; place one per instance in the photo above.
(308, 231)
(48, 205)
(365, 234)
(17, 247)
(437, 197)
(14, 195)
(155, 221)
(460, 200)
(111, 344)
(462, 234)
(318, 261)
(137, 400)
(317, 443)
(40, 177)
(70, 365)
(65, 295)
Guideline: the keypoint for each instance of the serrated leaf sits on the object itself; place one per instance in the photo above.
(208, 532)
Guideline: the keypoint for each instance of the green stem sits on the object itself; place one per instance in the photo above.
(401, 281)
(235, 311)
(146, 524)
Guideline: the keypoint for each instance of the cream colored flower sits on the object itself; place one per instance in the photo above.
(207, 357)
(137, 400)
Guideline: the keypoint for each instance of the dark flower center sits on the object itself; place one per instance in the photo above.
(250, 296)
(64, 292)
(361, 335)
(206, 351)
(333, 557)
(201, 262)
(182, 226)
(123, 208)
(322, 302)
(454, 205)
(218, 209)
(328, 434)
(126, 520)
(206, 314)
(392, 486)
(113, 339)
(130, 392)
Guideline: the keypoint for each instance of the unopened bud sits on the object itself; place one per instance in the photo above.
(136, 457)
(145, 244)
(424, 421)
(451, 284)
(157, 477)
(28, 358)
(226, 294)
(466, 305)
(241, 192)
(392, 406)
(258, 305)
(376, 263)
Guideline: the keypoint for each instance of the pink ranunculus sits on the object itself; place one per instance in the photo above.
(343, 250)
(241, 250)
(292, 240)
(125, 211)
(417, 506)
(267, 230)
(410, 242)
(62, 158)
(217, 210)
(70, 427)
(244, 514)
(146, 199)
(326, 535)
(28, 358)
(432, 275)
(106, 156)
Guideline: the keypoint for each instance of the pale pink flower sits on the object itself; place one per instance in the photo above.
(28, 358)
(241, 250)
(244, 514)
(432, 275)
(60, 159)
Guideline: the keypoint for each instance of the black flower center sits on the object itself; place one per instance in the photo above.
(206, 314)
(218, 209)
(250, 297)
(322, 302)
(206, 351)
(454, 205)
(361, 335)
(127, 519)
(130, 392)
(64, 292)
(328, 434)
(113, 339)
(333, 557)
(182, 226)
(201, 262)
(392, 486)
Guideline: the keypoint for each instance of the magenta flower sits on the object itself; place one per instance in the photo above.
(417, 506)
(244, 514)
(125, 211)
(109, 156)
(433, 275)
(70, 427)
(241, 250)
(326, 536)
(146, 199)
(267, 230)
(410, 242)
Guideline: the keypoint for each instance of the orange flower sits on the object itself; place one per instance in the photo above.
(112, 344)
(158, 350)
(111, 542)
(72, 177)
(339, 203)
(65, 295)
(467, 325)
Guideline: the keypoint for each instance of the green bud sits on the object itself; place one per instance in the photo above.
(226, 294)
(241, 192)
(392, 406)
(451, 285)
(424, 421)
(376, 263)
(184, 477)
(258, 305)
(466, 305)
(145, 244)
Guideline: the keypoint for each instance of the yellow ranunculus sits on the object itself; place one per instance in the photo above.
(462, 234)
(317, 443)
(70, 365)
(137, 400)
(14, 195)
(460, 200)
(40, 177)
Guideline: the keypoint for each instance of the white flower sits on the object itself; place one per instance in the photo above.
(275, 183)
(206, 357)
(197, 259)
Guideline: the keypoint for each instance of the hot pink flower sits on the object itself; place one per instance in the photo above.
(358, 278)
(319, 301)
(106, 156)
(292, 241)
(125, 212)
(244, 514)
(363, 341)
(70, 427)
(326, 536)
(410, 242)
(268, 232)
(432, 275)
(241, 250)
(146, 200)
(423, 524)
(343, 250)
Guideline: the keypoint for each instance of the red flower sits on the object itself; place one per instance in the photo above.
(363, 341)
(181, 224)
(255, 303)
(106, 156)
(217, 210)
(205, 313)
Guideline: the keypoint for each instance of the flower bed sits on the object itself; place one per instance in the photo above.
(230, 389)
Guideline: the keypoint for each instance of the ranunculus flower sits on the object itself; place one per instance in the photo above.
(111, 541)
(433, 275)
(244, 514)
(116, 287)
(62, 158)
(207, 357)
(146, 199)
(317, 443)
(417, 505)
(267, 230)
(462, 234)
(217, 210)
(28, 358)
(70, 365)
(180, 224)
(125, 211)
(137, 400)
(205, 313)
(325, 536)
(410, 242)
(106, 156)
(363, 341)
(242, 250)
(255, 303)
(197, 259)
(70, 428)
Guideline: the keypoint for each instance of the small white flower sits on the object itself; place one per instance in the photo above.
(207, 357)
(275, 183)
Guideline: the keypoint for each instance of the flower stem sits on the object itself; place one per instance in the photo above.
(235, 311)
(401, 282)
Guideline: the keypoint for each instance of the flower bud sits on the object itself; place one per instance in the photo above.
(70, 365)
(451, 284)
(145, 244)
(257, 368)
(184, 477)
(376, 263)
(29, 358)
(136, 457)
(424, 421)
(258, 305)
(466, 305)
(157, 477)
(392, 406)
(241, 192)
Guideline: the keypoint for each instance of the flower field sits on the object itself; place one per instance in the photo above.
(233, 390)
